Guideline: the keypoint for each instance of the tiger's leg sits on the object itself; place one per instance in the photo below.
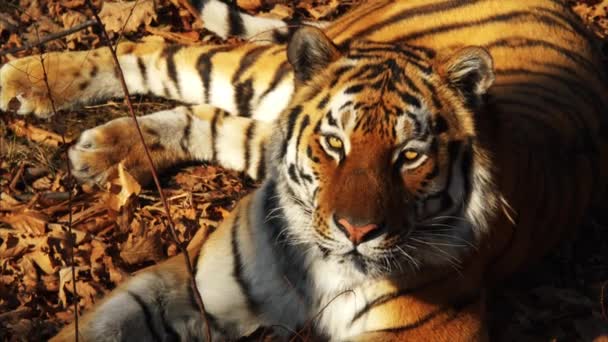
(248, 79)
(157, 304)
(185, 133)
(226, 20)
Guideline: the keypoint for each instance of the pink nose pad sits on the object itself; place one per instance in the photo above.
(356, 234)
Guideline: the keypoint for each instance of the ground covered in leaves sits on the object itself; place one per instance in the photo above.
(121, 228)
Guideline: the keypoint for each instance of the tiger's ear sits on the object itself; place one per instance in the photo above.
(470, 71)
(309, 51)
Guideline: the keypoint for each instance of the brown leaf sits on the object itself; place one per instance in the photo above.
(137, 250)
(26, 220)
(127, 16)
(321, 11)
(71, 19)
(72, 3)
(14, 243)
(128, 187)
(279, 11)
(23, 129)
(249, 5)
(7, 23)
(43, 260)
(187, 38)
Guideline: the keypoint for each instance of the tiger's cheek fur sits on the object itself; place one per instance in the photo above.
(417, 180)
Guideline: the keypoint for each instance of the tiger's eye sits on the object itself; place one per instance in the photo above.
(411, 155)
(334, 142)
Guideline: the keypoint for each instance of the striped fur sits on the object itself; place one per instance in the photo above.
(410, 159)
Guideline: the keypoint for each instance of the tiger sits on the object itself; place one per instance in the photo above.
(411, 154)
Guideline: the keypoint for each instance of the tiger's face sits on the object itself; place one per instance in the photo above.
(378, 154)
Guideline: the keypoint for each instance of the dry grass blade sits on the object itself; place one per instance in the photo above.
(172, 231)
(71, 237)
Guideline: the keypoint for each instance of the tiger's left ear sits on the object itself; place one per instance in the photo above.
(309, 51)
(470, 71)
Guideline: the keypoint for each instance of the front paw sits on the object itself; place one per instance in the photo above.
(22, 88)
(96, 155)
(70, 77)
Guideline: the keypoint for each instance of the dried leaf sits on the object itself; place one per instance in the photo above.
(26, 220)
(249, 5)
(7, 23)
(71, 19)
(279, 11)
(43, 260)
(138, 250)
(187, 38)
(127, 16)
(128, 187)
(23, 129)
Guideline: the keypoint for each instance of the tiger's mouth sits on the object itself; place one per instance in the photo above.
(441, 240)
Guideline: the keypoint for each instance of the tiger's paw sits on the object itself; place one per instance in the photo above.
(23, 88)
(96, 155)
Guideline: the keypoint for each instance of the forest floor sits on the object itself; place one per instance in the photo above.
(121, 228)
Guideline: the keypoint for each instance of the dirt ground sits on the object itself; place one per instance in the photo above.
(120, 228)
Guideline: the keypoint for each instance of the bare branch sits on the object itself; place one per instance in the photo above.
(71, 240)
(171, 225)
(50, 37)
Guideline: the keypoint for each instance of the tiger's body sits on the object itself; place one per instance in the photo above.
(404, 170)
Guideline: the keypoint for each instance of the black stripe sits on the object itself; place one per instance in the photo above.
(262, 162)
(247, 144)
(238, 271)
(142, 70)
(293, 175)
(243, 94)
(311, 156)
(574, 85)
(321, 105)
(392, 296)
(170, 334)
(291, 260)
(409, 13)
(339, 73)
(247, 61)
(169, 53)
(185, 140)
(291, 122)
(216, 116)
(282, 71)
(235, 21)
(521, 42)
(457, 307)
(353, 89)
(303, 125)
(205, 68)
(148, 316)
(345, 104)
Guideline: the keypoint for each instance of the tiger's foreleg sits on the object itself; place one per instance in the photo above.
(248, 79)
(185, 133)
(155, 305)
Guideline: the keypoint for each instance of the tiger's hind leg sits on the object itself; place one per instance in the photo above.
(185, 133)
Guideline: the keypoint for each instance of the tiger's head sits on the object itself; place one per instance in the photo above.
(376, 157)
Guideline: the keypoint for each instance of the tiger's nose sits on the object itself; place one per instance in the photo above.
(356, 233)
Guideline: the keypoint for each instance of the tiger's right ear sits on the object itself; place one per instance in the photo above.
(309, 51)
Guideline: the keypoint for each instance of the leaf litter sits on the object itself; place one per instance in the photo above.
(120, 228)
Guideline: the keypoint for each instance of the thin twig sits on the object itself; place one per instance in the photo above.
(71, 238)
(171, 225)
(50, 37)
